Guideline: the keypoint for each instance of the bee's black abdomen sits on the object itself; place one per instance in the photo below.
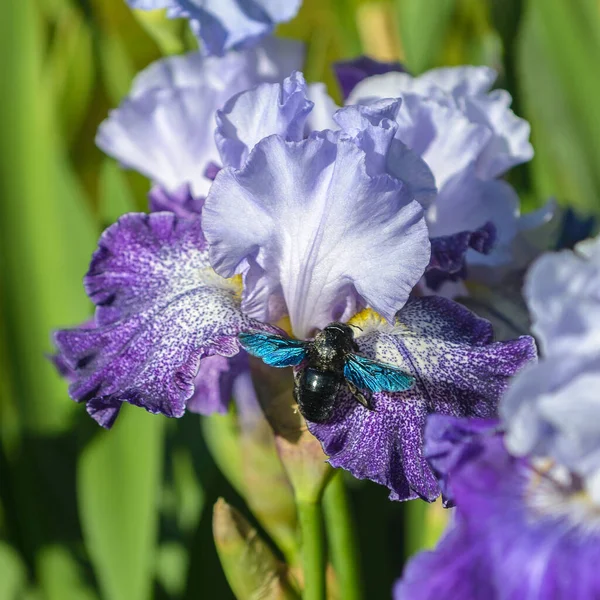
(315, 394)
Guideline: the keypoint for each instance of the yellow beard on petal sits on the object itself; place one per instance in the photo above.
(368, 320)
(233, 284)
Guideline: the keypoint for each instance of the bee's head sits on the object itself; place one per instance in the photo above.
(338, 334)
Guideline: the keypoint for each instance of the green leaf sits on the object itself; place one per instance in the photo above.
(60, 576)
(558, 54)
(46, 231)
(423, 26)
(115, 195)
(13, 575)
(118, 481)
(70, 68)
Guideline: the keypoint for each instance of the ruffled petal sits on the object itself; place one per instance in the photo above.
(551, 411)
(165, 128)
(255, 114)
(563, 295)
(160, 309)
(226, 24)
(151, 134)
(374, 130)
(509, 144)
(270, 61)
(350, 73)
(459, 371)
(316, 227)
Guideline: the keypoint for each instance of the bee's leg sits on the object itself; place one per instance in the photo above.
(361, 398)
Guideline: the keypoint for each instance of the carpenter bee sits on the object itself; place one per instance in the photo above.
(326, 364)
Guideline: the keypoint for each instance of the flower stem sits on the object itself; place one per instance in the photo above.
(313, 550)
(341, 535)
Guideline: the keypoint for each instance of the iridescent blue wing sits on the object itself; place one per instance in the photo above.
(375, 376)
(274, 350)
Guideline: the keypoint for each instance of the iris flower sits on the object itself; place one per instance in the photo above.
(300, 227)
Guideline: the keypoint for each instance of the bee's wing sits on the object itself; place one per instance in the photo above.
(375, 376)
(274, 350)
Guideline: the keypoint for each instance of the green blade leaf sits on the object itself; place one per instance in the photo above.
(119, 474)
(423, 25)
(46, 231)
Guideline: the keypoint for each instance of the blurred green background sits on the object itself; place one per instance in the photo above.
(126, 514)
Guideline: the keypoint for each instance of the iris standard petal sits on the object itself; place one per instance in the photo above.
(319, 232)
(373, 128)
(268, 109)
(160, 309)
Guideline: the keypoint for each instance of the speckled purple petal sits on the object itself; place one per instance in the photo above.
(500, 546)
(350, 73)
(160, 309)
(459, 371)
(316, 227)
(448, 254)
(181, 201)
(267, 109)
(226, 24)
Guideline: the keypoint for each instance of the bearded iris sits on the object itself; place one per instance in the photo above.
(301, 225)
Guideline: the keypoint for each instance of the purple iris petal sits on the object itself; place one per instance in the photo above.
(181, 201)
(374, 129)
(215, 382)
(550, 410)
(501, 544)
(226, 24)
(252, 115)
(316, 227)
(448, 253)
(350, 73)
(458, 370)
(165, 128)
(563, 295)
(160, 309)
(468, 136)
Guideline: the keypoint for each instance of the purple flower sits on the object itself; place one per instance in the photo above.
(319, 225)
(519, 529)
(165, 128)
(226, 24)
(160, 309)
(551, 409)
(458, 370)
(468, 136)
